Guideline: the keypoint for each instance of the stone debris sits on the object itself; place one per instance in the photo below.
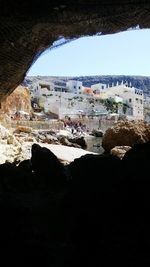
(17, 147)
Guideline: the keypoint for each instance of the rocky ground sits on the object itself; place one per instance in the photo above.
(15, 145)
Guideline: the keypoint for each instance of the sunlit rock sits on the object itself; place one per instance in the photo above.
(24, 129)
(119, 151)
(19, 100)
(4, 133)
(126, 133)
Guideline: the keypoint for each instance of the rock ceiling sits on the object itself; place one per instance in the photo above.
(28, 27)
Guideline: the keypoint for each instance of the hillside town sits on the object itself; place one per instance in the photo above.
(72, 99)
(67, 113)
(96, 107)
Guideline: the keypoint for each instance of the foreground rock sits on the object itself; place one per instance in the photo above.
(17, 153)
(16, 147)
(76, 215)
(46, 164)
(126, 133)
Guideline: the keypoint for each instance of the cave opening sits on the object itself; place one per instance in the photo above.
(94, 211)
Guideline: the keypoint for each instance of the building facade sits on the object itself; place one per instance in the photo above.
(74, 86)
(98, 88)
(131, 96)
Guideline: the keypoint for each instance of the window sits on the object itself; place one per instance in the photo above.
(130, 100)
(141, 101)
(74, 87)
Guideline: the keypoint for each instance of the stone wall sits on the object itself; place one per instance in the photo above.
(38, 125)
(97, 123)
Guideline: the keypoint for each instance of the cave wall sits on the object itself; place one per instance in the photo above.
(27, 28)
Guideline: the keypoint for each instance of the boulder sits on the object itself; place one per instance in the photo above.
(29, 139)
(97, 133)
(64, 141)
(46, 164)
(9, 153)
(24, 129)
(4, 133)
(126, 133)
(79, 140)
(11, 140)
(50, 139)
(119, 151)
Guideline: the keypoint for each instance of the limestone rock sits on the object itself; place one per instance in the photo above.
(126, 133)
(11, 140)
(24, 129)
(29, 139)
(119, 151)
(49, 139)
(4, 133)
(18, 100)
(9, 152)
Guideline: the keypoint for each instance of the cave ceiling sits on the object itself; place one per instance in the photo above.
(27, 28)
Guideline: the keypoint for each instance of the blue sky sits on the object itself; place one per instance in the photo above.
(125, 53)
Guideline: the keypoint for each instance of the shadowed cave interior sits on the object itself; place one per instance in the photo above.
(94, 211)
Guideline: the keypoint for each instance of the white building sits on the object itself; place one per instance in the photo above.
(60, 86)
(70, 104)
(74, 86)
(42, 89)
(98, 87)
(45, 89)
(131, 96)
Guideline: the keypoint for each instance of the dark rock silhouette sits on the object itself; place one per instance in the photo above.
(92, 212)
(46, 165)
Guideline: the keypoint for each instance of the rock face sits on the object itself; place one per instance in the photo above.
(18, 100)
(126, 133)
(29, 28)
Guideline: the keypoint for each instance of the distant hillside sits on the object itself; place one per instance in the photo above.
(141, 82)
